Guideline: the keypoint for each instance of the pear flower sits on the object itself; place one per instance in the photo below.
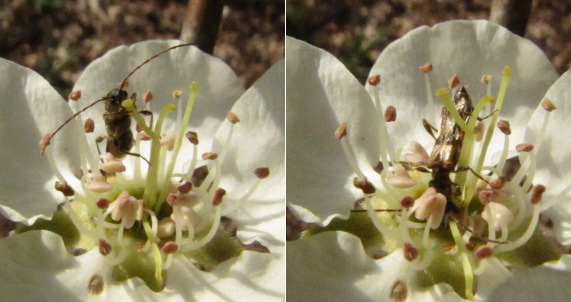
(192, 213)
(432, 176)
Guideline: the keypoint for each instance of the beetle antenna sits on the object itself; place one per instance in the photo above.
(124, 82)
(69, 119)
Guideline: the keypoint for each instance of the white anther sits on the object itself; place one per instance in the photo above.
(166, 228)
(400, 178)
(168, 140)
(501, 215)
(182, 215)
(127, 209)
(99, 184)
(112, 164)
(432, 204)
(419, 156)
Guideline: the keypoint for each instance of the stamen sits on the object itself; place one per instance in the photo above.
(218, 195)
(468, 273)
(99, 184)
(400, 179)
(365, 185)
(64, 188)
(390, 114)
(524, 147)
(432, 204)
(374, 80)
(104, 247)
(484, 251)
(426, 69)
(147, 96)
(453, 81)
(74, 95)
(525, 236)
(548, 105)
(410, 252)
(536, 193)
(419, 157)
(385, 144)
(500, 213)
(89, 125)
(232, 117)
(387, 233)
(340, 134)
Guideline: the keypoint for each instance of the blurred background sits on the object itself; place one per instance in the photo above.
(356, 31)
(58, 38)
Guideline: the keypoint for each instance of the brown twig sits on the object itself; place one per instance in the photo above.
(513, 14)
(201, 23)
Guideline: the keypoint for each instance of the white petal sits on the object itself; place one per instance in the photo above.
(553, 155)
(30, 108)
(29, 263)
(322, 94)
(219, 87)
(469, 49)
(332, 266)
(545, 283)
(250, 277)
(494, 273)
(257, 141)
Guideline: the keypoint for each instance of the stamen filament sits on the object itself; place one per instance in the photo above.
(215, 224)
(525, 236)
(350, 159)
(185, 120)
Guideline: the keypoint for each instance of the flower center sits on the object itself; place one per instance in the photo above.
(447, 206)
(141, 218)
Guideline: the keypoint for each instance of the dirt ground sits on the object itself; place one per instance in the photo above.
(356, 31)
(58, 38)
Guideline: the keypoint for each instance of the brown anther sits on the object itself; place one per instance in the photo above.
(144, 137)
(498, 183)
(170, 247)
(74, 95)
(379, 167)
(192, 137)
(176, 94)
(524, 147)
(407, 201)
(104, 247)
(390, 114)
(410, 252)
(232, 117)
(102, 203)
(45, 141)
(341, 131)
(486, 79)
(138, 128)
(185, 188)
(426, 68)
(209, 156)
(147, 96)
(64, 188)
(504, 126)
(89, 125)
(374, 80)
(548, 105)
(171, 199)
(262, 173)
(365, 185)
(536, 193)
(484, 251)
(453, 81)
(218, 194)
